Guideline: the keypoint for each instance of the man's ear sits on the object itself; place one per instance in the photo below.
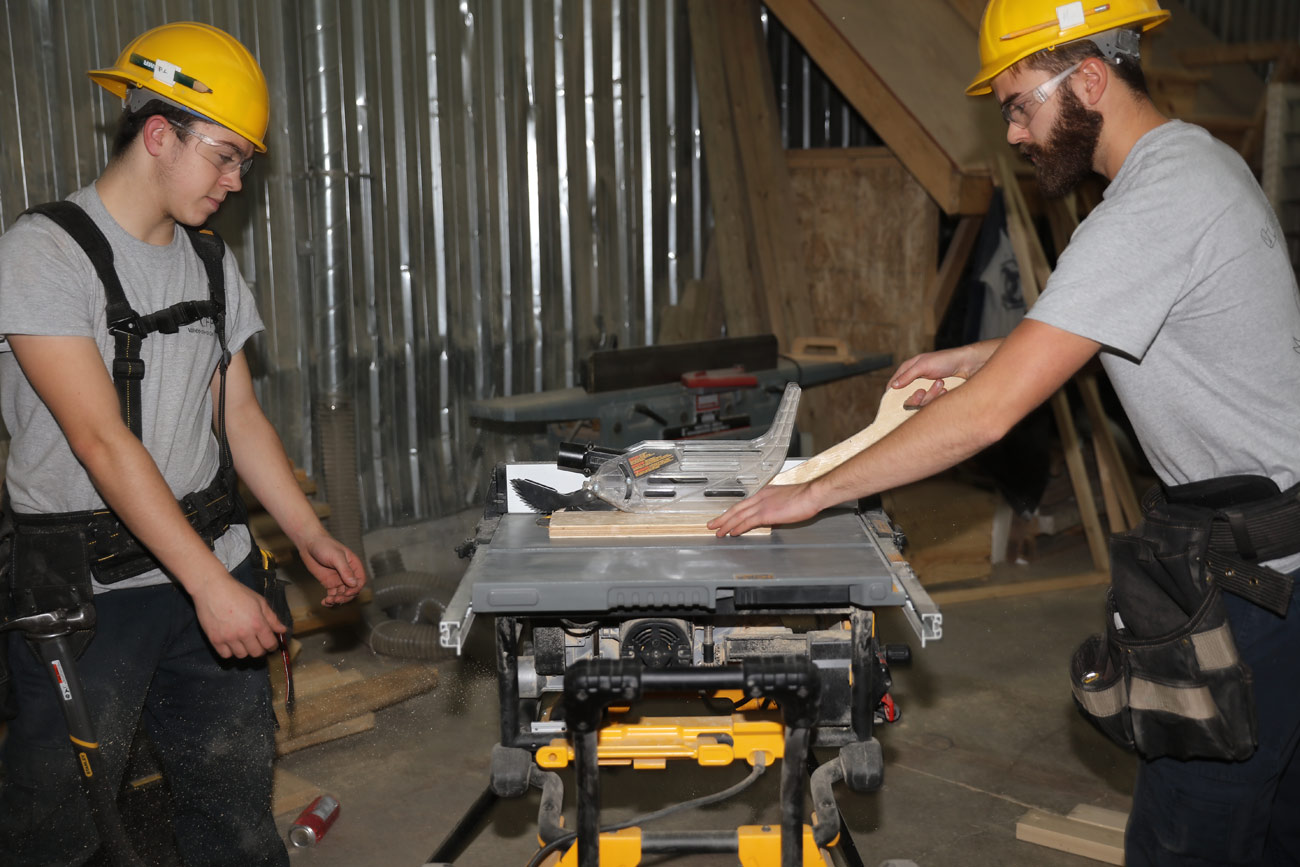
(154, 134)
(1095, 76)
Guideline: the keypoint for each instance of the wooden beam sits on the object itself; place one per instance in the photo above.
(1020, 588)
(741, 292)
(939, 293)
(888, 115)
(1071, 835)
(1029, 255)
(770, 199)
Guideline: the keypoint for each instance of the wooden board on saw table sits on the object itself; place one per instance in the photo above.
(889, 416)
(591, 525)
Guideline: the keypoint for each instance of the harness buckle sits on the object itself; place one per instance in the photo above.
(128, 324)
(128, 368)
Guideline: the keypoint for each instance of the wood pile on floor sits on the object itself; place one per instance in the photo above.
(331, 704)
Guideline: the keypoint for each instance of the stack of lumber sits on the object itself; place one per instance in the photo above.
(331, 704)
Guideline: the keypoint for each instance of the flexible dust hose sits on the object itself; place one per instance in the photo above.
(407, 639)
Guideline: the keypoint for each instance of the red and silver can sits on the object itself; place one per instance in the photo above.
(314, 821)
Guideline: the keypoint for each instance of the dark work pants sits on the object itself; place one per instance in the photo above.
(209, 720)
(1203, 813)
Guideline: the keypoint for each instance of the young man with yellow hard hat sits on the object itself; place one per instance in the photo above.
(1180, 279)
(131, 408)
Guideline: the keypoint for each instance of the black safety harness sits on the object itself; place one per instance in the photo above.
(52, 552)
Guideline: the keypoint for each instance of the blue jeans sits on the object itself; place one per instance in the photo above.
(209, 720)
(1213, 813)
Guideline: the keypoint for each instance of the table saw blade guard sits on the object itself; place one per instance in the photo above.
(707, 476)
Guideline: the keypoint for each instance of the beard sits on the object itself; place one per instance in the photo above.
(1065, 161)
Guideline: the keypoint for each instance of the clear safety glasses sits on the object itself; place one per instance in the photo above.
(1022, 111)
(225, 157)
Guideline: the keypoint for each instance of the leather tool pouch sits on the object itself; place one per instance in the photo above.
(1165, 679)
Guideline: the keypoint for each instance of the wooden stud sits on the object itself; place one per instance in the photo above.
(1029, 254)
(740, 287)
(767, 187)
(839, 38)
(939, 293)
(1068, 835)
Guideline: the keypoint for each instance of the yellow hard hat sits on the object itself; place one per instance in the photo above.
(1011, 30)
(201, 68)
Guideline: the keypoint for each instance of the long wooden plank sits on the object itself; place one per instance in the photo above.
(597, 525)
(741, 292)
(939, 293)
(1029, 255)
(893, 63)
(1020, 588)
(1068, 835)
(1099, 816)
(769, 196)
(341, 703)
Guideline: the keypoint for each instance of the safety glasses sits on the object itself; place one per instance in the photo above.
(224, 156)
(1022, 111)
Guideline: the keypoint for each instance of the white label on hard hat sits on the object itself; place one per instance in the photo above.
(165, 72)
(1070, 15)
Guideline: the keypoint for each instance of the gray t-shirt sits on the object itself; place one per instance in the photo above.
(1182, 275)
(48, 287)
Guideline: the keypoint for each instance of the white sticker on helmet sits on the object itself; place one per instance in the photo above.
(165, 72)
(1070, 15)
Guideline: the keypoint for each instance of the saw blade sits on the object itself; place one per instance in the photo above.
(545, 499)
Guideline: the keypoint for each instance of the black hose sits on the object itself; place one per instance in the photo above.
(409, 639)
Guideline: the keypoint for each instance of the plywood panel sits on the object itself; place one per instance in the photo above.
(870, 246)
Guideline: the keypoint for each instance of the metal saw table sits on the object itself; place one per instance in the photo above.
(586, 624)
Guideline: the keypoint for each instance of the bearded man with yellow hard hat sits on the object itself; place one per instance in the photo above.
(1180, 279)
(125, 387)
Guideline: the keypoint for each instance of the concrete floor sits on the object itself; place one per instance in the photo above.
(988, 731)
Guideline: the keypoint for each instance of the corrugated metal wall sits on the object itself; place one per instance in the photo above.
(460, 200)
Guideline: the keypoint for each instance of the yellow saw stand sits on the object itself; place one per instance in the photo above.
(758, 737)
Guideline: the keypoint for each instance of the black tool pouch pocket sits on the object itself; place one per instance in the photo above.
(267, 582)
(49, 570)
(1165, 679)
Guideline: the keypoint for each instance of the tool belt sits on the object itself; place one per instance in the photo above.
(54, 556)
(1165, 678)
